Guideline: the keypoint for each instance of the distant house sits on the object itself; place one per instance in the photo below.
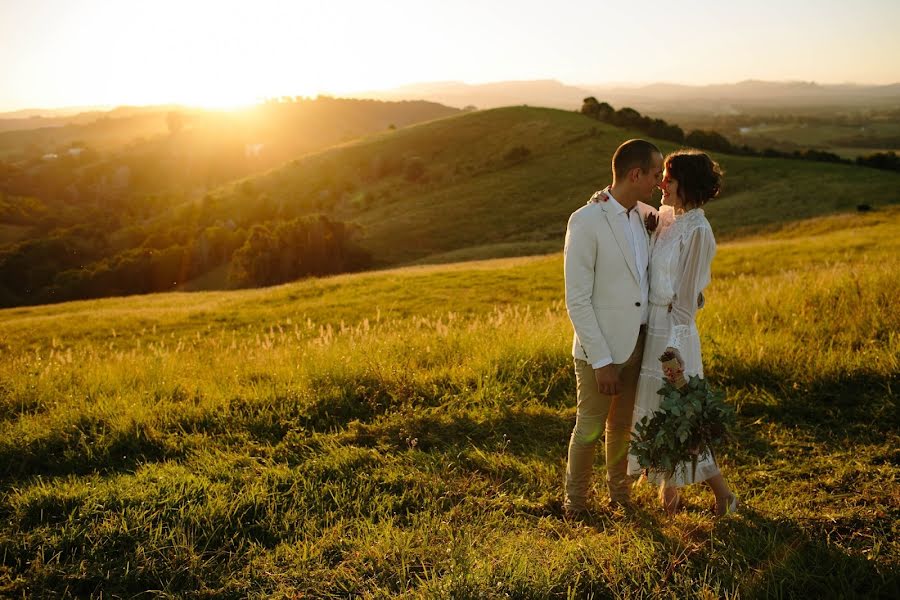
(50, 156)
(76, 152)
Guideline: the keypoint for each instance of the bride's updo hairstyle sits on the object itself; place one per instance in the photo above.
(699, 177)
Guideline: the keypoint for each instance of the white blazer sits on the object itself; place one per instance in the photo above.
(603, 292)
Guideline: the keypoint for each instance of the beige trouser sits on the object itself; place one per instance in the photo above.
(595, 413)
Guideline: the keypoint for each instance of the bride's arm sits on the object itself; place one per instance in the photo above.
(694, 266)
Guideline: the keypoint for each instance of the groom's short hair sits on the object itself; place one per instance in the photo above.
(632, 154)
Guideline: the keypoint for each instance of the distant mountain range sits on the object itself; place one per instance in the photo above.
(668, 98)
(548, 93)
(28, 113)
(37, 118)
(665, 97)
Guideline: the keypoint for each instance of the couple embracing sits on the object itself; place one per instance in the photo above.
(634, 282)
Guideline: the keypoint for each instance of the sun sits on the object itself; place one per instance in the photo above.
(221, 101)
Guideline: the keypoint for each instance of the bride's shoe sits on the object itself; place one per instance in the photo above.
(731, 508)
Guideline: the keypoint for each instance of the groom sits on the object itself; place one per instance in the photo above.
(607, 255)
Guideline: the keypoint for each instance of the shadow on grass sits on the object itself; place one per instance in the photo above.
(859, 404)
(759, 555)
(91, 445)
(337, 399)
(770, 557)
(527, 431)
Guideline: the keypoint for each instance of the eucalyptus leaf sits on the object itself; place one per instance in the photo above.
(694, 417)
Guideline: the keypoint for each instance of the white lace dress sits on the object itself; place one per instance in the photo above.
(682, 251)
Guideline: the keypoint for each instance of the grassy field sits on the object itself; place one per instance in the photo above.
(848, 133)
(819, 135)
(403, 434)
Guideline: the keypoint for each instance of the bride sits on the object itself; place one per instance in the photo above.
(682, 251)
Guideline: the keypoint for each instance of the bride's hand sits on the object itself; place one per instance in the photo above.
(677, 355)
(670, 373)
(599, 197)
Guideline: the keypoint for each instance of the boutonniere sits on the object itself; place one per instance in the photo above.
(650, 222)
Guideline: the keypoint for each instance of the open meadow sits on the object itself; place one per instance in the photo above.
(403, 434)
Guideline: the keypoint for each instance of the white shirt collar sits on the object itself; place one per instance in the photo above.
(618, 207)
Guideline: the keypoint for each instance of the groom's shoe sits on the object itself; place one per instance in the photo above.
(620, 504)
(576, 513)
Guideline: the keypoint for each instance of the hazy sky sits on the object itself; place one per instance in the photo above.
(222, 52)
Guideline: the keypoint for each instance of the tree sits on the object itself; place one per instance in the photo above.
(628, 117)
(708, 140)
(664, 131)
(589, 106)
(880, 160)
(597, 110)
(250, 263)
(287, 250)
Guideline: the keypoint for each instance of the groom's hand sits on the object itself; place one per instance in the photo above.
(608, 380)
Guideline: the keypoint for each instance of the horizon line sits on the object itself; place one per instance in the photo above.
(4, 111)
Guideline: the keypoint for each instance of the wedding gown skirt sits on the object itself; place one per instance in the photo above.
(651, 380)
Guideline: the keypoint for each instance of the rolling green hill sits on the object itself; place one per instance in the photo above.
(403, 434)
(79, 222)
(503, 182)
(479, 185)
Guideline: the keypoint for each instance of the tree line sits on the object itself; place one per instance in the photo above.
(715, 141)
(83, 262)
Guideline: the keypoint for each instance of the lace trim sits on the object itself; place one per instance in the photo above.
(692, 215)
(678, 336)
(666, 216)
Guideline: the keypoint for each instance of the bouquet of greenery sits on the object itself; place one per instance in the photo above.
(691, 420)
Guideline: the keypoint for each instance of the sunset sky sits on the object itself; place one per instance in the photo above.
(221, 53)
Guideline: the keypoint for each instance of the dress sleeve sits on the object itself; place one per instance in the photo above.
(699, 247)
